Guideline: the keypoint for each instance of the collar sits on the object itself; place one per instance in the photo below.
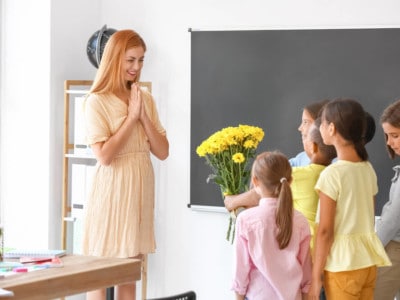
(396, 170)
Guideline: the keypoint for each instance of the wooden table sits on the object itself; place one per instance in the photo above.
(78, 275)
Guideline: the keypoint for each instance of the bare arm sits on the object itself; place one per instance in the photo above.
(246, 199)
(106, 151)
(325, 236)
(239, 297)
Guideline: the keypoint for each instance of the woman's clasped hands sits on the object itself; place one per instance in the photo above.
(136, 110)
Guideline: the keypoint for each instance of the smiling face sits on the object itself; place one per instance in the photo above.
(392, 135)
(133, 63)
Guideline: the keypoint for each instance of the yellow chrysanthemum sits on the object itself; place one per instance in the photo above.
(238, 158)
(231, 144)
(249, 144)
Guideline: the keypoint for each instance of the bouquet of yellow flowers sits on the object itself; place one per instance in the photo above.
(228, 153)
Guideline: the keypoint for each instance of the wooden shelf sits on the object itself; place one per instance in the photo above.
(71, 88)
(83, 156)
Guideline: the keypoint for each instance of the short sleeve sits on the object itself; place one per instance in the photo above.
(328, 184)
(325, 184)
(97, 126)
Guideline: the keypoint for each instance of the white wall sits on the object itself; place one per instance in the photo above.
(192, 252)
(24, 175)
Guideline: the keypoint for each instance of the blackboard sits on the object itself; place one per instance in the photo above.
(265, 78)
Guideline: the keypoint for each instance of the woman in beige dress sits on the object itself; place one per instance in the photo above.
(123, 128)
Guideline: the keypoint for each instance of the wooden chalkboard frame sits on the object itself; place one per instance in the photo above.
(265, 77)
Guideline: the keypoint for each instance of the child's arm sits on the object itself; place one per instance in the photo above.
(246, 199)
(239, 297)
(325, 237)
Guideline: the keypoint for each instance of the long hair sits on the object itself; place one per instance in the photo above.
(273, 171)
(391, 115)
(371, 128)
(315, 108)
(349, 119)
(109, 76)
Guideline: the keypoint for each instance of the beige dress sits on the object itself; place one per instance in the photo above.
(119, 213)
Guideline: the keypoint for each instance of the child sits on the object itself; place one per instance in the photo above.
(309, 115)
(347, 249)
(388, 227)
(305, 198)
(272, 240)
(250, 198)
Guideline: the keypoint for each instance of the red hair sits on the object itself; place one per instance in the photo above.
(109, 77)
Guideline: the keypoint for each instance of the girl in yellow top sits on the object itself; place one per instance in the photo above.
(347, 249)
(305, 198)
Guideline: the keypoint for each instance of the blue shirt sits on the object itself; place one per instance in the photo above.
(300, 160)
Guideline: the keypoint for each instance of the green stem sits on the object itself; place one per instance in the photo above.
(229, 229)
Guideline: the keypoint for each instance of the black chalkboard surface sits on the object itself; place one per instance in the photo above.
(265, 77)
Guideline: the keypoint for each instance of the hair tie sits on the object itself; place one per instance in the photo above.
(283, 179)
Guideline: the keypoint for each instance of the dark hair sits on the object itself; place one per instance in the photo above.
(315, 108)
(328, 151)
(391, 115)
(349, 119)
(274, 172)
(370, 129)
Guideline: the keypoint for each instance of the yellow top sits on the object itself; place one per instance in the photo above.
(353, 186)
(305, 198)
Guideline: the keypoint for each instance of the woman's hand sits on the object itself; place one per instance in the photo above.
(159, 145)
(135, 105)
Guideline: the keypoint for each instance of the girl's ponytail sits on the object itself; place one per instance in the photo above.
(361, 150)
(273, 171)
(284, 214)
